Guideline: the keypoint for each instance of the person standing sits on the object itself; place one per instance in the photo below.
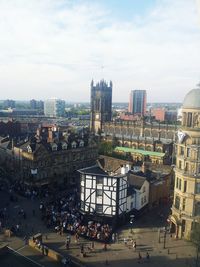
(134, 245)
(139, 257)
(147, 256)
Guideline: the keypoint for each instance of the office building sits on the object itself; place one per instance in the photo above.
(137, 102)
(54, 108)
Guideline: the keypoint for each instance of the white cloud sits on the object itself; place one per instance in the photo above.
(58, 46)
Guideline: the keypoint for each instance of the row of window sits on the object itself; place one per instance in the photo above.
(177, 203)
(99, 207)
(181, 186)
(182, 151)
(178, 206)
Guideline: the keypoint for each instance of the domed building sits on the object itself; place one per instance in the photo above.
(186, 204)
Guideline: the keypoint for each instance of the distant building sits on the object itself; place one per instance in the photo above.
(162, 114)
(137, 102)
(54, 108)
(101, 105)
(35, 104)
(158, 113)
(9, 103)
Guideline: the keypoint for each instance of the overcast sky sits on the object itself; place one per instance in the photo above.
(53, 48)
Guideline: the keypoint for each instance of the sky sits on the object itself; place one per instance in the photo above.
(54, 48)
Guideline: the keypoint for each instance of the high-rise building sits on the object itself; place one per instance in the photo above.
(34, 104)
(54, 108)
(186, 204)
(137, 102)
(101, 104)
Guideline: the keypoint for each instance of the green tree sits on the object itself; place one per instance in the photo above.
(105, 148)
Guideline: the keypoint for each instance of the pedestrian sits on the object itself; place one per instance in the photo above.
(113, 237)
(105, 246)
(67, 244)
(139, 257)
(82, 249)
(92, 245)
(147, 256)
(134, 245)
(125, 241)
(117, 238)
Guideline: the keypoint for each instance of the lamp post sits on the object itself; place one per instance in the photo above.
(165, 234)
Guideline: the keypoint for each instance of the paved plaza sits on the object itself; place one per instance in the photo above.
(144, 231)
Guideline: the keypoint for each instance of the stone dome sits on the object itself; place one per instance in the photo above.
(192, 99)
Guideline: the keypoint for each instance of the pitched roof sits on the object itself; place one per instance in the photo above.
(136, 181)
(93, 170)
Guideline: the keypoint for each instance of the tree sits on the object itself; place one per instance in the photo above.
(105, 148)
(195, 238)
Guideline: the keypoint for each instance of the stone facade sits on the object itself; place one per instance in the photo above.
(186, 204)
(142, 135)
(48, 160)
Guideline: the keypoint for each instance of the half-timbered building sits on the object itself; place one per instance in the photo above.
(111, 194)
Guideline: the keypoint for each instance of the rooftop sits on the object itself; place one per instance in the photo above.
(140, 151)
(192, 99)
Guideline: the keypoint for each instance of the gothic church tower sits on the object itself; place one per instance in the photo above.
(101, 105)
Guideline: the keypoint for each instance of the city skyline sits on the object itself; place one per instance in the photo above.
(55, 48)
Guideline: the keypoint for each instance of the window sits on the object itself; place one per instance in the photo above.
(99, 208)
(82, 190)
(144, 189)
(99, 180)
(198, 188)
(145, 199)
(73, 144)
(179, 184)
(189, 119)
(177, 179)
(99, 193)
(183, 206)
(177, 202)
(188, 152)
(142, 201)
(180, 164)
(82, 178)
(197, 209)
(185, 186)
(187, 166)
(182, 151)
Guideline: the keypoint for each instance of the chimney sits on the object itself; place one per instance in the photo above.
(125, 169)
(50, 135)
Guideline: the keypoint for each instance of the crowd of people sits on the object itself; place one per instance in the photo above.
(59, 210)
(62, 213)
